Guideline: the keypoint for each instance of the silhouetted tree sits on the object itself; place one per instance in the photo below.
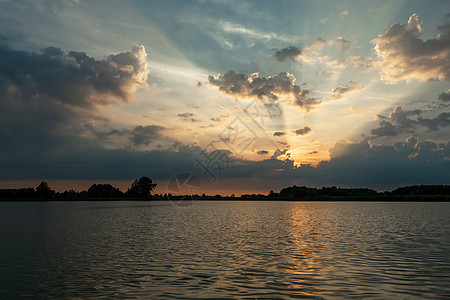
(44, 191)
(422, 190)
(69, 194)
(22, 193)
(103, 191)
(141, 188)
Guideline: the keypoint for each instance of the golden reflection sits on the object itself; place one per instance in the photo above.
(309, 244)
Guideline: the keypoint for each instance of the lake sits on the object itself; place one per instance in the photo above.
(229, 249)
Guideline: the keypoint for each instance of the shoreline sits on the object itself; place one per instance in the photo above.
(409, 198)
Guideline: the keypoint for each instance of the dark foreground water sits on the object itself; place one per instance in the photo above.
(224, 250)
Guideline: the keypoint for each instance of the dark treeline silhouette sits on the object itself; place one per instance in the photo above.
(422, 190)
(141, 189)
(295, 192)
(408, 193)
(303, 193)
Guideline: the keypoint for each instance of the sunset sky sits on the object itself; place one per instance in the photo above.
(248, 96)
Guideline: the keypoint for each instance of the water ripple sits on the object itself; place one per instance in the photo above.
(225, 250)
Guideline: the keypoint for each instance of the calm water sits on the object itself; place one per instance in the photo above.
(224, 250)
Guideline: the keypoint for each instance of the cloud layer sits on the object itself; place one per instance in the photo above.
(144, 135)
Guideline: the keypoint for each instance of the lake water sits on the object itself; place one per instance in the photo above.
(224, 250)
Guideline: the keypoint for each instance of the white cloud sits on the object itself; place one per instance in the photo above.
(344, 13)
(405, 56)
(254, 33)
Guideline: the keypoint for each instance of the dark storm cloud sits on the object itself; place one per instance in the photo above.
(445, 97)
(400, 117)
(92, 162)
(48, 101)
(408, 162)
(442, 120)
(274, 87)
(303, 131)
(400, 121)
(71, 79)
(404, 163)
(385, 128)
(359, 164)
(293, 53)
(144, 135)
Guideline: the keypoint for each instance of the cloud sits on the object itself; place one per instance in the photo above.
(278, 133)
(364, 63)
(73, 79)
(404, 55)
(442, 120)
(319, 44)
(380, 117)
(352, 164)
(220, 118)
(340, 90)
(357, 164)
(293, 53)
(399, 121)
(144, 135)
(445, 97)
(344, 13)
(385, 129)
(187, 117)
(49, 101)
(262, 152)
(51, 6)
(400, 117)
(315, 53)
(279, 152)
(252, 86)
(408, 162)
(56, 6)
(93, 162)
(345, 44)
(248, 33)
(303, 131)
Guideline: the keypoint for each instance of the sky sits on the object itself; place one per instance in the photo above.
(242, 96)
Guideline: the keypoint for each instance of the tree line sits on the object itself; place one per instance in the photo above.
(408, 193)
(140, 189)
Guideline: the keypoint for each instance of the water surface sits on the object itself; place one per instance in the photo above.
(224, 250)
